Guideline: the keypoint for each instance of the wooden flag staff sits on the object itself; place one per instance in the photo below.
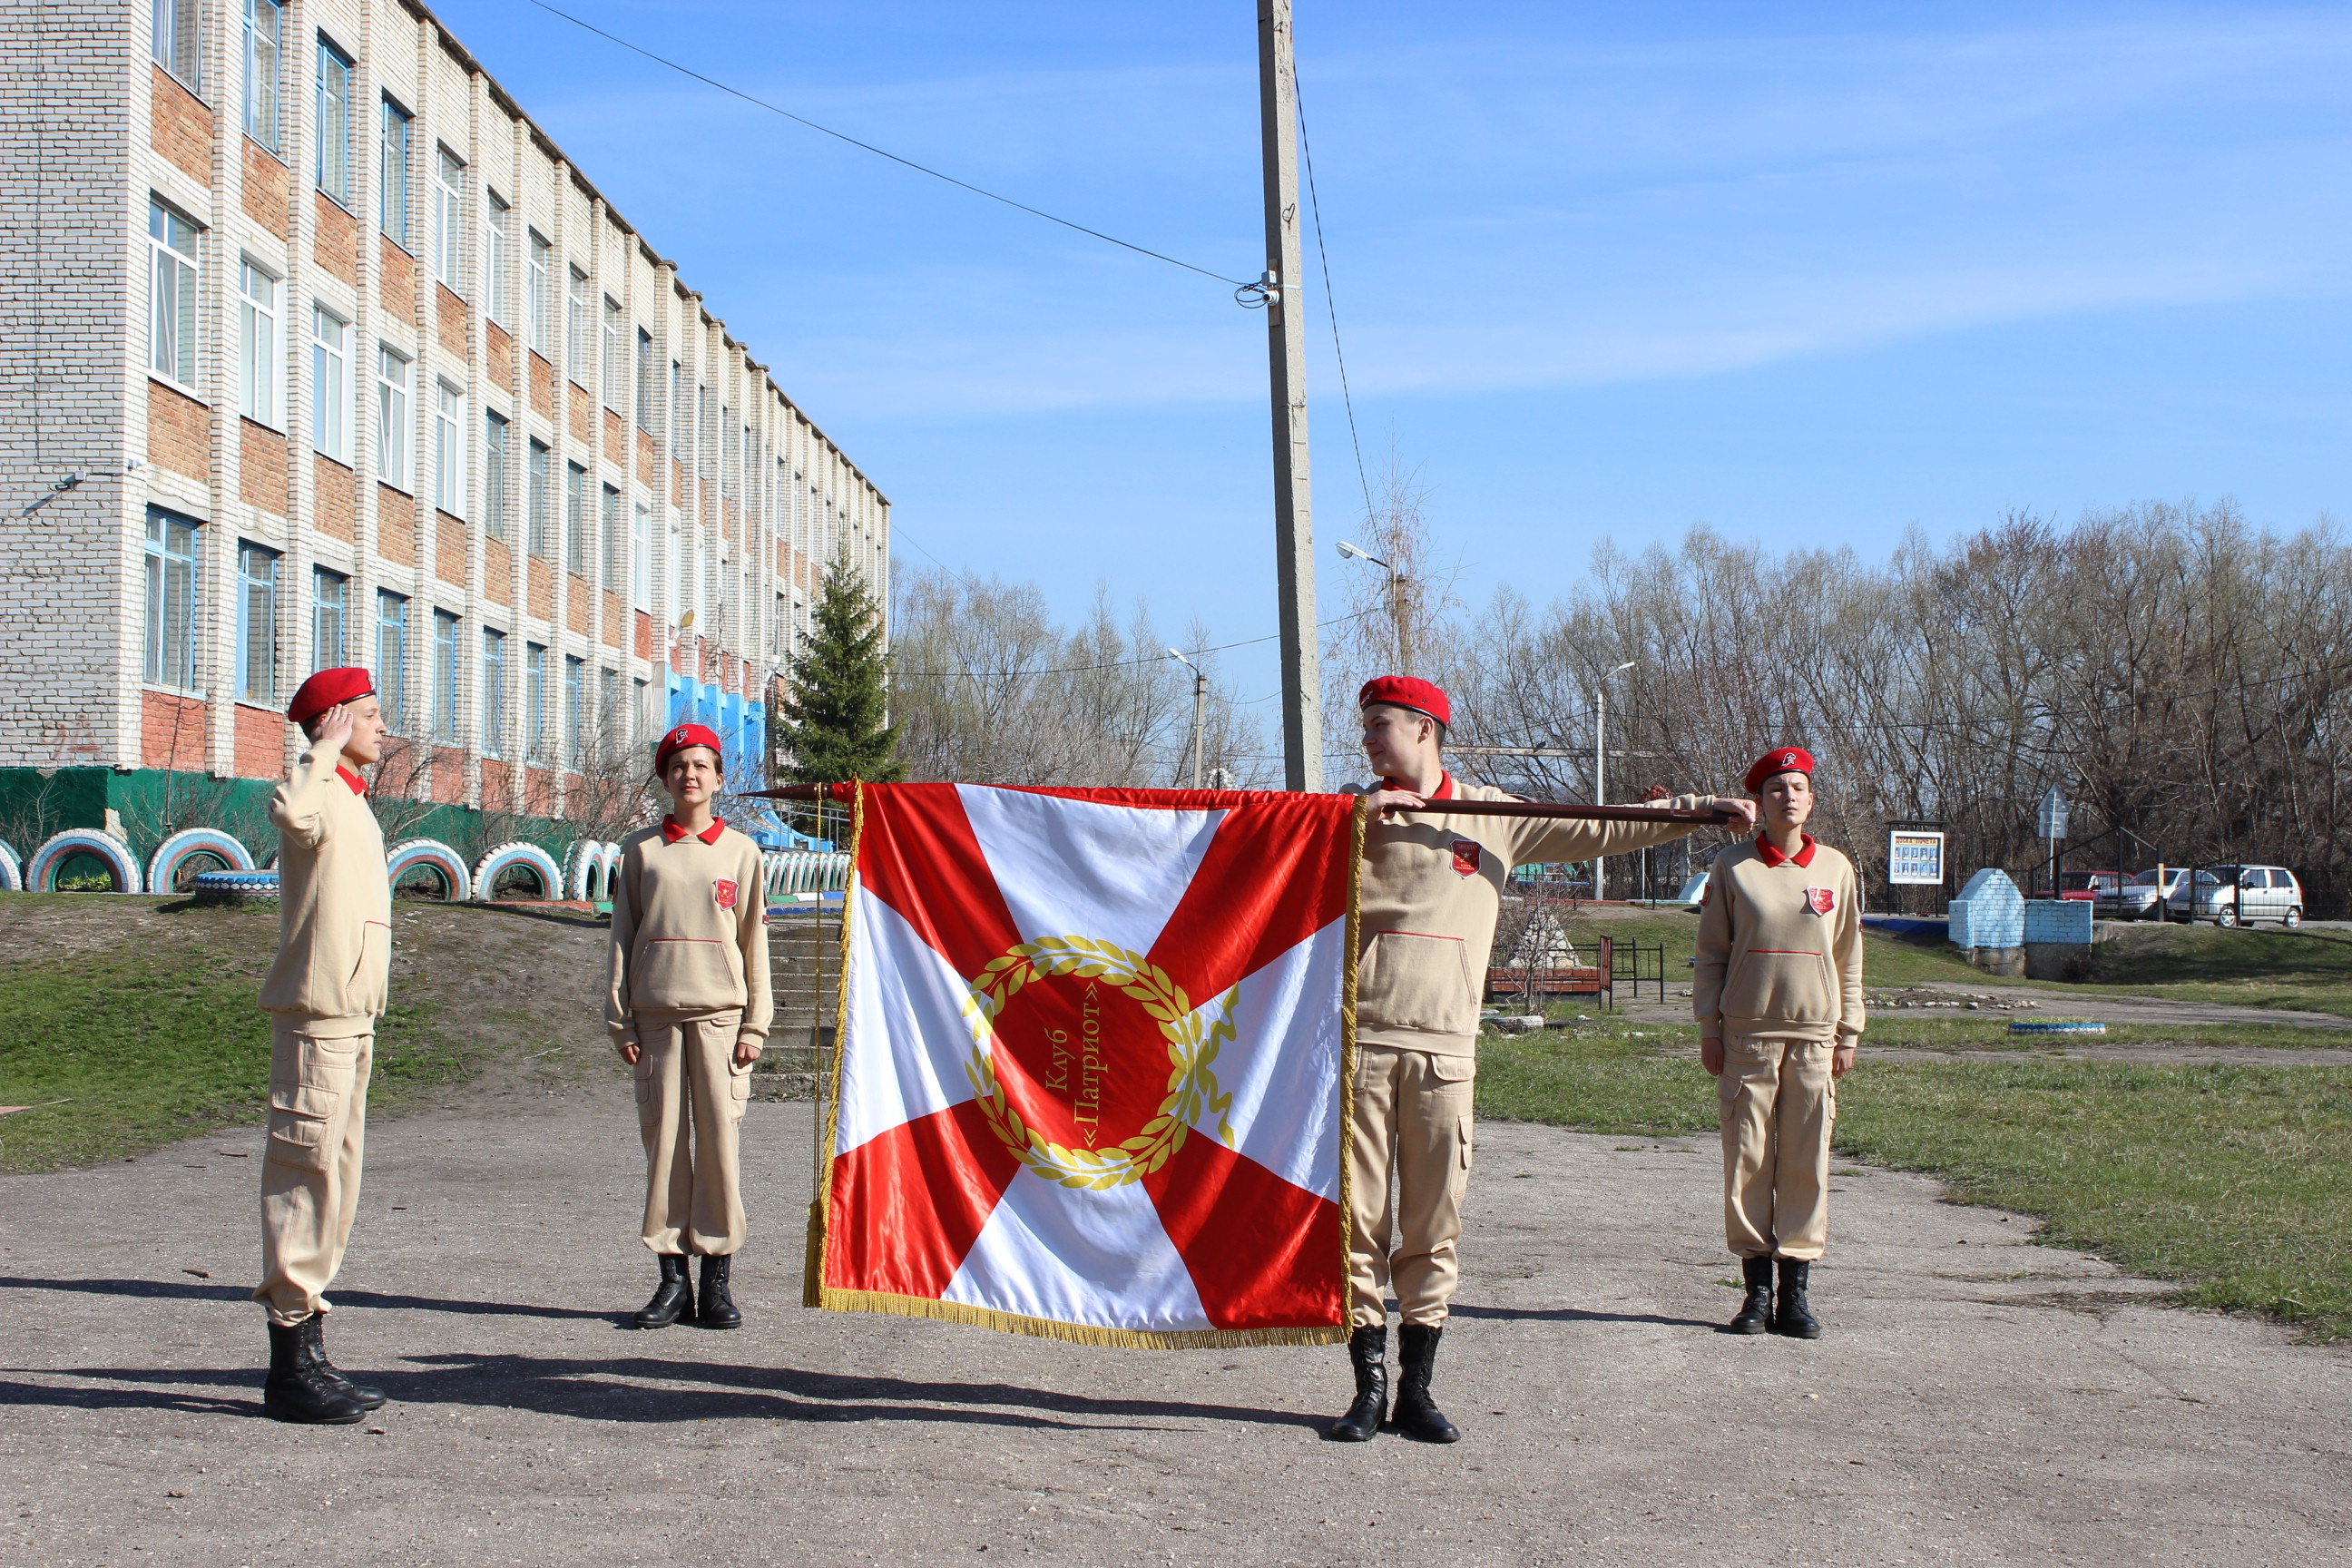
(1716, 815)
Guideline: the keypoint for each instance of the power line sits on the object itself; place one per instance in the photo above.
(1314, 206)
(1087, 669)
(879, 153)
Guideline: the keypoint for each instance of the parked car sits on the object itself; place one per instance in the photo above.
(2089, 887)
(2239, 895)
(2138, 897)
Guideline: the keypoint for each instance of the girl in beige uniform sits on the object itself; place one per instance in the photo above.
(688, 1008)
(1778, 993)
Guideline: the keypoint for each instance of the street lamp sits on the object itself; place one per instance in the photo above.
(1199, 704)
(1397, 616)
(1601, 761)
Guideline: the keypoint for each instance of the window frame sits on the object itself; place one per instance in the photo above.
(641, 558)
(538, 481)
(391, 658)
(449, 446)
(171, 296)
(393, 456)
(494, 692)
(542, 302)
(645, 374)
(445, 632)
(331, 370)
(258, 377)
(257, 591)
(324, 604)
(497, 259)
(395, 196)
(176, 41)
(498, 431)
(615, 377)
(573, 746)
(174, 601)
(575, 518)
(449, 219)
(534, 700)
(265, 72)
(579, 326)
(332, 110)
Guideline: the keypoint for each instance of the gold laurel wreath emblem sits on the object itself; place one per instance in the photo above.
(1192, 1047)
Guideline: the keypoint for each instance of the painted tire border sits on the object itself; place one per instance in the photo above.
(586, 857)
(430, 852)
(12, 869)
(41, 870)
(164, 866)
(518, 853)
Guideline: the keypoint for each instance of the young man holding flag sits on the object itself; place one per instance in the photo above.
(1432, 888)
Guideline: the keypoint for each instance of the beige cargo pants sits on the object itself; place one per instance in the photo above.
(311, 1171)
(690, 1099)
(1776, 1102)
(1411, 1120)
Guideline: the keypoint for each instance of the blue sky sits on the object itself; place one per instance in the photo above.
(1603, 271)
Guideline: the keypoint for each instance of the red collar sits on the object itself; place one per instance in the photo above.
(358, 785)
(1445, 790)
(672, 832)
(1772, 856)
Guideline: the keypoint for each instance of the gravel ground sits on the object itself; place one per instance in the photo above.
(1978, 1398)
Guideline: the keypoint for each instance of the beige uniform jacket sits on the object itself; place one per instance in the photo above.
(334, 902)
(1779, 945)
(1432, 888)
(689, 931)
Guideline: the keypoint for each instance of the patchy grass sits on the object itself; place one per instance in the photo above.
(2230, 1180)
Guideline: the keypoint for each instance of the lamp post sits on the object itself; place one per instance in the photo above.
(1601, 763)
(1199, 708)
(1397, 615)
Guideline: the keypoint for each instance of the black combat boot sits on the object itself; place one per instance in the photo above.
(1417, 1416)
(1756, 1312)
(718, 1311)
(314, 1347)
(1368, 1352)
(1794, 1315)
(673, 1298)
(296, 1390)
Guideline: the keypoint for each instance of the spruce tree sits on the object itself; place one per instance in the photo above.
(830, 727)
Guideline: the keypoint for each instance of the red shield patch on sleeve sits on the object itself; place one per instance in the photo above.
(724, 890)
(1467, 852)
(1820, 900)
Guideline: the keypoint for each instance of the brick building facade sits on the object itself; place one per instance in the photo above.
(318, 350)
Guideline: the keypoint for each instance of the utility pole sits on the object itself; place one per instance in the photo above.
(1285, 339)
(1200, 709)
(1601, 764)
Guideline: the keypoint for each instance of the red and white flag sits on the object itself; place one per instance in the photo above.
(1093, 1062)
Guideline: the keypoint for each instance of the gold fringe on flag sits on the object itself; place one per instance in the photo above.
(1075, 1334)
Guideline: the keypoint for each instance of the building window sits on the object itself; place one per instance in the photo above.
(641, 558)
(617, 356)
(263, 29)
(615, 546)
(534, 696)
(172, 295)
(391, 656)
(329, 594)
(334, 117)
(171, 601)
(330, 384)
(575, 518)
(392, 174)
(542, 297)
(498, 259)
(391, 417)
(179, 40)
(644, 379)
(257, 624)
(494, 692)
(537, 499)
(576, 734)
(494, 474)
(257, 343)
(449, 219)
(577, 325)
(445, 676)
(448, 449)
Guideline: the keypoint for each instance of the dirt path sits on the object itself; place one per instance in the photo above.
(1978, 1398)
(2156, 1011)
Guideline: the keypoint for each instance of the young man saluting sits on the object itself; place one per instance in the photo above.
(323, 994)
(1431, 891)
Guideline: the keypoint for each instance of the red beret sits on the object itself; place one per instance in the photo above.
(1405, 691)
(680, 739)
(1783, 759)
(326, 689)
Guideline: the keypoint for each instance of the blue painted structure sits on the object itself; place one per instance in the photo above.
(2059, 920)
(1990, 911)
(742, 726)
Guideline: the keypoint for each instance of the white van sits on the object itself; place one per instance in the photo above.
(2239, 895)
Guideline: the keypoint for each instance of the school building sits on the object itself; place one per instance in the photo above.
(318, 351)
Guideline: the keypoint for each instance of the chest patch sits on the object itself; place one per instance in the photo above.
(1466, 853)
(724, 892)
(1820, 900)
